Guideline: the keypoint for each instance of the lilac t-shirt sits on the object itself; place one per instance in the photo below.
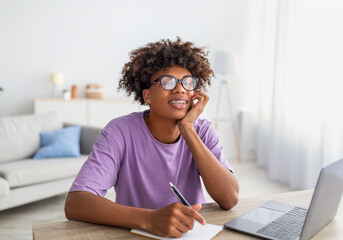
(128, 157)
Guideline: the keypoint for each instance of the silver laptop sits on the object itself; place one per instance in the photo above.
(275, 220)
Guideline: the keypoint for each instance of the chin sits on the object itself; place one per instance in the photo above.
(173, 114)
(180, 116)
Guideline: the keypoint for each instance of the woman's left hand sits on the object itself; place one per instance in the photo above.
(196, 109)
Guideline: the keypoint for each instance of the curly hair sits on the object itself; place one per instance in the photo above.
(147, 60)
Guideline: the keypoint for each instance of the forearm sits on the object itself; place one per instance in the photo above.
(171, 221)
(220, 183)
(87, 207)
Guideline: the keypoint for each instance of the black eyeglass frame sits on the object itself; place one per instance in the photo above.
(178, 80)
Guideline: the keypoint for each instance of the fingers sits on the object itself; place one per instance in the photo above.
(197, 207)
(185, 224)
(181, 221)
(174, 220)
(193, 213)
(202, 97)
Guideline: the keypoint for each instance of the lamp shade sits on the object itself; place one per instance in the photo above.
(225, 63)
(57, 78)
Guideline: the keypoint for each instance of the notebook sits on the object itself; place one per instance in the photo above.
(275, 220)
(199, 231)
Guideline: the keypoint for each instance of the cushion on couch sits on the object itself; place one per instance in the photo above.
(19, 135)
(64, 142)
(29, 171)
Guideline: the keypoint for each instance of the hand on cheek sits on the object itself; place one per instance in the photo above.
(199, 101)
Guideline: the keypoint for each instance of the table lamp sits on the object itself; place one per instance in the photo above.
(56, 79)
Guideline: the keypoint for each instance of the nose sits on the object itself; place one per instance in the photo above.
(179, 88)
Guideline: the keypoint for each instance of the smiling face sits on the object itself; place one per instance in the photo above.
(172, 104)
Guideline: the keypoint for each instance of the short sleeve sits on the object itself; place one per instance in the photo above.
(99, 172)
(209, 136)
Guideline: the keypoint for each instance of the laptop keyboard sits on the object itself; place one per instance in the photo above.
(286, 227)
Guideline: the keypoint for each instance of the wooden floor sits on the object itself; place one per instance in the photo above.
(16, 223)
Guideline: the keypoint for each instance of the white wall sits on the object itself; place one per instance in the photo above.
(90, 40)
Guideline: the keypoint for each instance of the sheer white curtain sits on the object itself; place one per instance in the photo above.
(298, 63)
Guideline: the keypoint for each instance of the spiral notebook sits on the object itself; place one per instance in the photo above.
(199, 231)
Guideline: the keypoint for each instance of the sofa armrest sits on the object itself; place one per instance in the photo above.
(89, 135)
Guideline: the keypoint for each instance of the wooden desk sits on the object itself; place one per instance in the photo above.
(211, 212)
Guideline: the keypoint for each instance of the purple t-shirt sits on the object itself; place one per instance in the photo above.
(128, 157)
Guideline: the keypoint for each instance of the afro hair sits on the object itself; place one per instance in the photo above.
(147, 60)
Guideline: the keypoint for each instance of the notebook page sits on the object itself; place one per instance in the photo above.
(199, 231)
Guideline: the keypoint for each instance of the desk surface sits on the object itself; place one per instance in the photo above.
(211, 212)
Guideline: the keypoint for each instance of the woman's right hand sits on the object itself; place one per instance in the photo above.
(173, 220)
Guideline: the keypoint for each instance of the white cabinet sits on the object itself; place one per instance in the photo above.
(67, 111)
(101, 112)
(90, 112)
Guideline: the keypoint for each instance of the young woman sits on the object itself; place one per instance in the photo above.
(140, 153)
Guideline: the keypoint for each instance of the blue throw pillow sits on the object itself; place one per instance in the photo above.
(60, 143)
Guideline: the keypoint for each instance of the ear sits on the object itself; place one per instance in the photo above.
(147, 96)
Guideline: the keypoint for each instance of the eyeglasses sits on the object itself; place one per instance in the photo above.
(169, 83)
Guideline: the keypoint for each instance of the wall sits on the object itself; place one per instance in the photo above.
(90, 40)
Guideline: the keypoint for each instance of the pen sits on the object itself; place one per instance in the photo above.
(179, 195)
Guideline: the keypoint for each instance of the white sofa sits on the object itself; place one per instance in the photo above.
(23, 179)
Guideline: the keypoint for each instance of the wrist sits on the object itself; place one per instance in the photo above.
(186, 127)
(146, 223)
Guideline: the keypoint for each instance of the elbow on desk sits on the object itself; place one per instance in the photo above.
(230, 201)
(67, 215)
(69, 208)
(229, 204)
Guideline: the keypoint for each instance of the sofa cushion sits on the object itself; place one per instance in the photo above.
(4, 187)
(29, 171)
(60, 143)
(19, 136)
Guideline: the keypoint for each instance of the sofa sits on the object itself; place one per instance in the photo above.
(24, 179)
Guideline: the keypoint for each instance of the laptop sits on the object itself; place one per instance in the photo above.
(275, 220)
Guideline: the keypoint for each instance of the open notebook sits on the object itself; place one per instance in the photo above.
(199, 231)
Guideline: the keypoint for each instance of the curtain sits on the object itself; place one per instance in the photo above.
(298, 52)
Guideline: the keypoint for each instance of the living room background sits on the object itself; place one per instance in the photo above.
(89, 41)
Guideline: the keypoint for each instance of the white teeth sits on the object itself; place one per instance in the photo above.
(177, 102)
